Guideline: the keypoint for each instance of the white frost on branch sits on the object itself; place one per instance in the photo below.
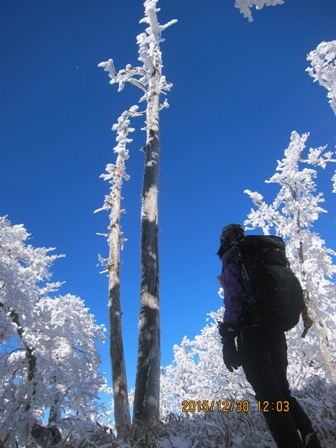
(334, 183)
(323, 68)
(115, 174)
(292, 215)
(197, 376)
(245, 6)
(149, 79)
(149, 56)
(297, 198)
(49, 360)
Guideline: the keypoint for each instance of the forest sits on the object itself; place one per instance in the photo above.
(54, 389)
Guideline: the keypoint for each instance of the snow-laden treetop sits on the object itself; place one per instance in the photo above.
(149, 55)
(245, 6)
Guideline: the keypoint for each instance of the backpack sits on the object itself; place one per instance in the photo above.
(273, 295)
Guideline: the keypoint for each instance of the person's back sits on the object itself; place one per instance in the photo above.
(262, 354)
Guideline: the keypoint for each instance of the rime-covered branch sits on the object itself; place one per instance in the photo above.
(149, 56)
(149, 79)
(115, 174)
(245, 6)
(323, 68)
(292, 215)
(40, 372)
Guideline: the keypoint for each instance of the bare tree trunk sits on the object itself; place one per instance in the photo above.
(120, 392)
(147, 387)
(115, 175)
(150, 80)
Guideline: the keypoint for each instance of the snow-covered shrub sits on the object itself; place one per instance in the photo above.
(48, 356)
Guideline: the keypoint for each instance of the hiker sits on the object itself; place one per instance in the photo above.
(262, 354)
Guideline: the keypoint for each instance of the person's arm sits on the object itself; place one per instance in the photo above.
(233, 291)
(233, 302)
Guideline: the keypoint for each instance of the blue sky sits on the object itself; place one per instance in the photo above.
(240, 89)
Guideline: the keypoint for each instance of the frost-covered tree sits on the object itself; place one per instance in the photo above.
(220, 406)
(323, 68)
(198, 371)
(292, 215)
(149, 78)
(115, 174)
(49, 377)
(245, 6)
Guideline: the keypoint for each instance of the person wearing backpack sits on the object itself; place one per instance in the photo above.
(253, 267)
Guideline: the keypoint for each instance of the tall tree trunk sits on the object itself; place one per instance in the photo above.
(120, 392)
(147, 387)
(150, 80)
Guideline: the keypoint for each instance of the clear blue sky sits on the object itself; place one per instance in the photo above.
(240, 88)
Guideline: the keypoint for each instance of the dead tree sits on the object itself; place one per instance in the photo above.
(115, 174)
(150, 80)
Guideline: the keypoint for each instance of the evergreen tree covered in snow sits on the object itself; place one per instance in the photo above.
(49, 378)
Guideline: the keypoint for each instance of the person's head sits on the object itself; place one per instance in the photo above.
(230, 234)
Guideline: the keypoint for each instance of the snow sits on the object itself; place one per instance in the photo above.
(323, 68)
(245, 6)
(60, 335)
(48, 356)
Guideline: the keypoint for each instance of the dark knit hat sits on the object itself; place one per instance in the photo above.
(230, 234)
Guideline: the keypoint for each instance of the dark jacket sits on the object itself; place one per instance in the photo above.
(233, 289)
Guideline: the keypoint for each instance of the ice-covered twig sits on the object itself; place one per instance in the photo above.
(245, 6)
(323, 68)
(149, 56)
(116, 173)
